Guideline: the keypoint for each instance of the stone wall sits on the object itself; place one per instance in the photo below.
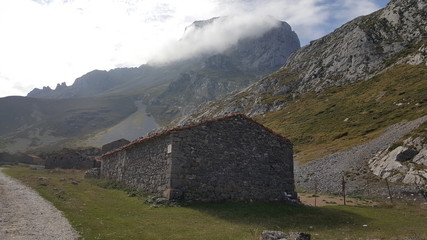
(12, 159)
(231, 159)
(145, 165)
(72, 159)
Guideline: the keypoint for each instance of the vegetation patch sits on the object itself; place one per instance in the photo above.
(342, 117)
(110, 213)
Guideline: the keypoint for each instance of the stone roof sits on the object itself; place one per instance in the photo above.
(168, 131)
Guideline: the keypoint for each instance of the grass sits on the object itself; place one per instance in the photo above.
(104, 213)
(341, 117)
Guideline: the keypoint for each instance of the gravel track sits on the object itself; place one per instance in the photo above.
(25, 215)
(328, 171)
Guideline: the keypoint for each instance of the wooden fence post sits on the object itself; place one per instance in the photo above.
(343, 188)
(389, 192)
(315, 192)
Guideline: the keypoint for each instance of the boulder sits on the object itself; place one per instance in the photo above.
(93, 173)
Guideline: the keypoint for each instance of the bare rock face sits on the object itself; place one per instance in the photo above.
(360, 47)
(406, 164)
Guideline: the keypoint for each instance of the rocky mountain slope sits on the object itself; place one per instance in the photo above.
(357, 51)
(207, 76)
(85, 111)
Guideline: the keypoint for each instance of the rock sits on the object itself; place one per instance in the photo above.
(162, 201)
(273, 235)
(299, 236)
(415, 177)
(388, 165)
(36, 167)
(93, 173)
(421, 157)
(276, 235)
(404, 164)
(406, 155)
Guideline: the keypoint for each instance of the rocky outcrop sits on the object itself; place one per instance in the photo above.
(91, 84)
(264, 48)
(406, 164)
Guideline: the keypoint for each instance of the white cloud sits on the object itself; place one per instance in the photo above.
(45, 42)
(216, 37)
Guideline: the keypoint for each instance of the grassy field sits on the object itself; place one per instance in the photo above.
(102, 213)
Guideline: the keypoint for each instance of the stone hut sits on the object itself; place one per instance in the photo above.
(72, 159)
(230, 158)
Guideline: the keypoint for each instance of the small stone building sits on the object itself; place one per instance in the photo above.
(72, 159)
(231, 158)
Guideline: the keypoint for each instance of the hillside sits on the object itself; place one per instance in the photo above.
(29, 123)
(170, 88)
(120, 103)
(345, 88)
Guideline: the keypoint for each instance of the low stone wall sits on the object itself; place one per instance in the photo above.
(72, 159)
(144, 165)
(12, 159)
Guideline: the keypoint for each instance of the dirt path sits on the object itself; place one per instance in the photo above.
(25, 215)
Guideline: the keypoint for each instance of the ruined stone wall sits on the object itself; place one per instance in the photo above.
(70, 161)
(231, 159)
(144, 165)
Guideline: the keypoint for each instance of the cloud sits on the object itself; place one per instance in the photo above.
(215, 37)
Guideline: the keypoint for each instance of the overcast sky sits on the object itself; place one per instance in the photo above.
(45, 42)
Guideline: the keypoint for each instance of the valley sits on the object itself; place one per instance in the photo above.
(137, 125)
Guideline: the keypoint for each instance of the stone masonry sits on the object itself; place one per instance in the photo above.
(231, 158)
(72, 159)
